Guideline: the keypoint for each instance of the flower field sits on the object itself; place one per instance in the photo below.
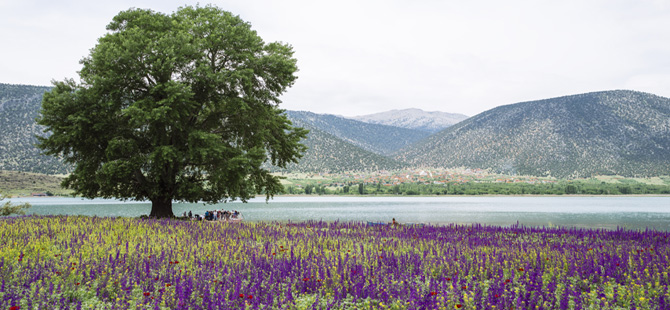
(68, 262)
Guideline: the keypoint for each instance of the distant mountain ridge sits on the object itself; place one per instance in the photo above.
(328, 153)
(417, 119)
(381, 139)
(602, 133)
(610, 132)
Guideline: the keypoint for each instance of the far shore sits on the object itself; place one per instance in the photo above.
(526, 195)
(399, 196)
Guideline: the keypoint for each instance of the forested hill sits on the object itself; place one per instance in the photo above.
(611, 132)
(380, 139)
(19, 106)
(328, 153)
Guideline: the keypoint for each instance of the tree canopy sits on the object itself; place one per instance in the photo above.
(181, 106)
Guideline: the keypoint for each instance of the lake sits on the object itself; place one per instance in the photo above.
(592, 212)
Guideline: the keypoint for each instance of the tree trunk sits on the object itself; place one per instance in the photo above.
(161, 207)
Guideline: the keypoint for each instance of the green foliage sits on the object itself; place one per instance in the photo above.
(8, 208)
(309, 189)
(175, 107)
(493, 188)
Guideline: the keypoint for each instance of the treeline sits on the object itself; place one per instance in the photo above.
(472, 188)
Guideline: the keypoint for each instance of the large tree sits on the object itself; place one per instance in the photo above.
(178, 107)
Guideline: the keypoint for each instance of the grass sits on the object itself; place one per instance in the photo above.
(14, 183)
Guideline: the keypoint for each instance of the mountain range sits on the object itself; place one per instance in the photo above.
(377, 138)
(328, 153)
(431, 122)
(610, 132)
(338, 144)
(601, 133)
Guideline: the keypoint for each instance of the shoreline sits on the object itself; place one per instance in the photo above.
(527, 195)
(403, 196)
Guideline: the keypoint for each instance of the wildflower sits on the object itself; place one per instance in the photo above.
(459, 305)
(14, 308)
(147, 293)
(241, 295)
(250, 297)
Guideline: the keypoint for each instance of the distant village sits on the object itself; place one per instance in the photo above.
(418, 176)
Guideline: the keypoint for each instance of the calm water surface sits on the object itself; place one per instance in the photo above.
(593, 212)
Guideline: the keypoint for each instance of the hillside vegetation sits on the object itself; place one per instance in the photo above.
(328, 153)
(623, 133)
(19, 106)
(604, 133)
(381, 139)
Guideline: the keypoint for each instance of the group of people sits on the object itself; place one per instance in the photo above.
(216, 215)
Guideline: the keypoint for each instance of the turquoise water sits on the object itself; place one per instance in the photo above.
(592, 212)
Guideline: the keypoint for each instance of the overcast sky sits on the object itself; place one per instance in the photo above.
(359, 57)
